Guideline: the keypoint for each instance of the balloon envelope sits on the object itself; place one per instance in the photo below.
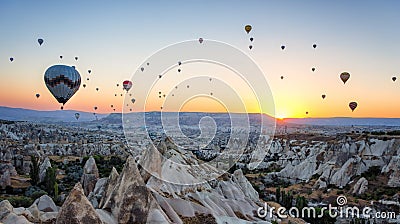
(344, 76)
(353, 105)
(77, 115)
(37, 95)
(62, 81)
(40, 41)
(11, 59)
(314, 46)
(76, 58)
(247, 28)
(127, 85)
(323, 96)
(394, 78)
(201, 40)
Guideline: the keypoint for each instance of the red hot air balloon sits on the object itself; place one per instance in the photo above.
(353, 105)
(127, 85)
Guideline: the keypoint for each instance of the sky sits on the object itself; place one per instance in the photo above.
(114, 39)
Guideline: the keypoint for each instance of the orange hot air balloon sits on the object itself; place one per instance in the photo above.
(353, 105)
(344, 76)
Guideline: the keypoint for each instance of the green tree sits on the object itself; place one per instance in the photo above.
(34, 172)
(50, 180)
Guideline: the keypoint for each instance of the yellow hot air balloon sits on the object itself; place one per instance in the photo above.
(247, 28)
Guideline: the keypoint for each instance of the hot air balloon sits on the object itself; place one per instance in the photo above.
(394, 78)
(84, 85)
(130, 94)
(112, 106)
(306, 112)
(77, 115)
(314, 46)
(323, 96)
(76, 58)
(37, 95)
(159, 76)
(179, 70)
(89, 71)
(353, 106)
(97, 89)
(250, 47)
(313, 69)
(142, 69)
(87, 79)
(201, 40)
(159, 96)
(179, 63)
(164, 95)
(176, 87)
(159, 92)
(130, 109)
(251, 39)
(282, 77)
(127, 85)
(147, 64)
(115, 94)
(95, 108)
(211, 94)
(117, 84)
(121, 94)
(62, 81)
(344, 76)
(283, 47)
(11, 59)
(210, 79)
(133, 100)
(61, 56)
(40, 41)
(161, 108)
(247, 28)
(187, 86)
(114, 109)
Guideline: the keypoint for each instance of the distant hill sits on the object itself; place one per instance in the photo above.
(346, 121)
(20, 114)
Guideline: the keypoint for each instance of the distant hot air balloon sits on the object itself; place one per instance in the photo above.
(117, 84)
(314, 46)
(115, 94)
(127, 85)
(89, 71)
(11, 59)
(159, 96)
(62, 81)
(179, 70)
(76, 58)
(159, 92)
(61, 56)
(353, 105)
(84, 85)
(40, 41)
(161, 108)
(210, 79)
(159, 76)
(114, 109)
(344, 76)
(164, 95)
(77, 115)
(201, 40)
(87, 79)
(142, 69)
(313, 69)
(37, 95)
(133, 100)
(130, 109)
(211, 94)
(250, 47)
(147, 64)
(283, 47)
(251, 39)
(179, 63)
(394, 78)
(112, 106)
(282, 77)
(306, 112)
(323, 96)
(130, 94)
(121, 94)
(247, 28)
(176, 87)
(95, 108)
(97, 89)
(187, 86)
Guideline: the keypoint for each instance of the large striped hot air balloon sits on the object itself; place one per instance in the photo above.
(62, 81)
(127, 85)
